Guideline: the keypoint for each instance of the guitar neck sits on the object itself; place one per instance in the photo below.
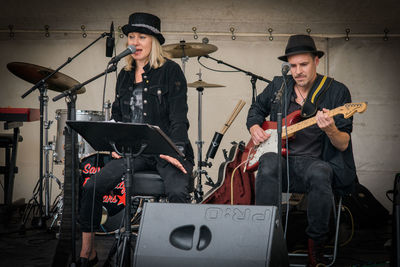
(306, 123)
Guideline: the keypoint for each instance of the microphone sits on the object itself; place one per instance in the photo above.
(129, 50)
(110, 43)
(285, 68)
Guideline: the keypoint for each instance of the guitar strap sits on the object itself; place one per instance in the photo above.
(320, 86)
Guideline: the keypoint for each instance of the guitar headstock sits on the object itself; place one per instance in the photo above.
(350, 108)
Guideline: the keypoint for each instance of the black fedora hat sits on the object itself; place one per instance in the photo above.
(144, 23)
(299, 44)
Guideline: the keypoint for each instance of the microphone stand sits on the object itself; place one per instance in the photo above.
(75, 88)
(69, 60)
(71, 95)
(278, 100)
(253, 79)
(42, 87)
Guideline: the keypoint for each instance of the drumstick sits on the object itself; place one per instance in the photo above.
(233, 116)
(218, 136)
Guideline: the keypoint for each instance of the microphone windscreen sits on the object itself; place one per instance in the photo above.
(110, 46)
(110, 42)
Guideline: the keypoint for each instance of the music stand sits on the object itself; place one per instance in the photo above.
(128, 140)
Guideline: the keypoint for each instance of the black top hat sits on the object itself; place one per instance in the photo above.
(144, 23)
(299, 44)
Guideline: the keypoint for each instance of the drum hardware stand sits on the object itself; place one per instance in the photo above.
(46, 148)
(198, 193)
(57, 206)
(184, 58)
(57, 212)
(253, 79)
(44, 178)
(39, 221)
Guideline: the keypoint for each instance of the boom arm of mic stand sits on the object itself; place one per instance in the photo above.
(75, 88)
(238, 69)
(42, 81)
(254, 77)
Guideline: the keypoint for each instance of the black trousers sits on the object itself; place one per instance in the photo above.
(175, 181)
(307, 175)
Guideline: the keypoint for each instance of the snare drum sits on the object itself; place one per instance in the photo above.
(114, 202)
(84, 148)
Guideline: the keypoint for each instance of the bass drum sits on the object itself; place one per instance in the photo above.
(114, 202)
(84, 148)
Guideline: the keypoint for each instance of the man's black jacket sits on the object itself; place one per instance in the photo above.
(337, 95)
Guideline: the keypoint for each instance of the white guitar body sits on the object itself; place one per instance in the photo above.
(271, 145)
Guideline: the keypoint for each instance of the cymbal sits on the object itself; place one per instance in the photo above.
(203, 84)
(31, 73)
(184, 49)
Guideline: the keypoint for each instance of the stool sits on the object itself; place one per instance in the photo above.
(149, 184)
(10, 143)
(336, 214)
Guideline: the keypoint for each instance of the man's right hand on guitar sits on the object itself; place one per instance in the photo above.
(258, 135)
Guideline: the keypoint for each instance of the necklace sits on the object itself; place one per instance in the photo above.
(304, 100)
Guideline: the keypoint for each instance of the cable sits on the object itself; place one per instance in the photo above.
(352, 227)
(388, 197)
(232, 176)
(198, 60)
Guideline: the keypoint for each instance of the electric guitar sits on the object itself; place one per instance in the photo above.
(293, 125)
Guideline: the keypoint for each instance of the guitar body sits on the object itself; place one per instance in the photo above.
(270, 127)
(243, 182)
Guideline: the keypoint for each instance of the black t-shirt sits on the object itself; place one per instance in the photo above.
(307, 142)
(136, 103)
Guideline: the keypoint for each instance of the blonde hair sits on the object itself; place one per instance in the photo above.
(156, 57)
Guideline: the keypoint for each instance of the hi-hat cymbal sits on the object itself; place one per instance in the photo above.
(184, 49)
(203, 84)
(31, 73)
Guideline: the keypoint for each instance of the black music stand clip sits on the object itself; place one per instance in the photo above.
(128, 140)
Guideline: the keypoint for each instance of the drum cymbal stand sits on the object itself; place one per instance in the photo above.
(184, 58)
(39, 221)
(49, 146)
(198, 193)
(57, 206)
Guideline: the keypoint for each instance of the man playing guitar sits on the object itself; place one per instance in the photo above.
(320, 157)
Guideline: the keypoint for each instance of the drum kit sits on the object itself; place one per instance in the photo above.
(60, 82)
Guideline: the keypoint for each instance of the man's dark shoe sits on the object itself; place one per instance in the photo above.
(316, 253)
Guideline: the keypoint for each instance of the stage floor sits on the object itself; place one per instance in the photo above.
(367, 246)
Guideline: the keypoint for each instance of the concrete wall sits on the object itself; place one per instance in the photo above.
(366, 64)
